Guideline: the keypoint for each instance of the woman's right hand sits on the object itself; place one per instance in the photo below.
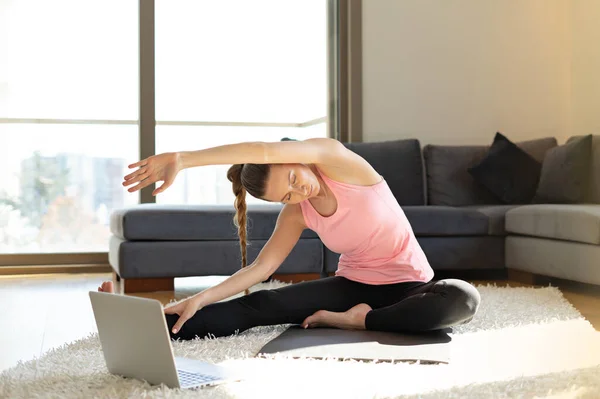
(185, 309)
(161, 167)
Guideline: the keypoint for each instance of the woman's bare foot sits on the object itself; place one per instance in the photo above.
(107, 286)
(352, 319)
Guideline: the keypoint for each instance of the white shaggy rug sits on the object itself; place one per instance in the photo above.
(515, 346)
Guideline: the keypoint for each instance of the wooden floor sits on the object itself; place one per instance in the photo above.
(41, 312)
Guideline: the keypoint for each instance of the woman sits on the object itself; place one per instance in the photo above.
(383, 281)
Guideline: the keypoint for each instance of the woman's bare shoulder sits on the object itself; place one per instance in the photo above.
(346, 166)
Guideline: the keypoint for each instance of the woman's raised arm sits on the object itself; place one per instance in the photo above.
(311, 151)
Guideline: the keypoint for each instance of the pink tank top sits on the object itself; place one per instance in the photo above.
(371, 232)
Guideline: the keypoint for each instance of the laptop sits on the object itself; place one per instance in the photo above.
(135, 341)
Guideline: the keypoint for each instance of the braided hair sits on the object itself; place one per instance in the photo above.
(251, 178)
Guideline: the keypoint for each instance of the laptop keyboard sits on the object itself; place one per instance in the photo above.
(187, 378)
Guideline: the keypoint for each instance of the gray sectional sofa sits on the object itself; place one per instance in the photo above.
(459, 224)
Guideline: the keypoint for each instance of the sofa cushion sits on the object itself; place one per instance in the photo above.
(192, 222)
(400, 162)
(580, 223)
(561, 259)
(464, 253)
(154, 259)
(448, 179)
(446, 221)
(594, 193)
(565, 177)
(508, 172)
(496, 217)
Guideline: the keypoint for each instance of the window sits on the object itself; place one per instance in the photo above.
(59, 185)
(258, 65)
(60, 181)
(226, 71)
(68, 59)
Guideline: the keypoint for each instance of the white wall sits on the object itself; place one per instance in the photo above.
(455, 72)
(585, 22)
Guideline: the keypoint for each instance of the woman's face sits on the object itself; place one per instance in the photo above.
(291, 183)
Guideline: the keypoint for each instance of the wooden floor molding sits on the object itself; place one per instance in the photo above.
(54, 269)
(136, 285)
(527, 277)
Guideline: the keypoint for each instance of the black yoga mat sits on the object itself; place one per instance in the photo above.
(429, 347)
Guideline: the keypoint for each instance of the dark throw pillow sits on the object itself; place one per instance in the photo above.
(565, 177)
(508, 172)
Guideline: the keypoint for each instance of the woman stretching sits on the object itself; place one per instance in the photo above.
(383, 280)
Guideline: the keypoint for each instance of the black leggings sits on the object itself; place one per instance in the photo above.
(401, 307)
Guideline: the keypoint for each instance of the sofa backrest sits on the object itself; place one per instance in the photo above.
(448, 179)
(595, 172)
(400, 162)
